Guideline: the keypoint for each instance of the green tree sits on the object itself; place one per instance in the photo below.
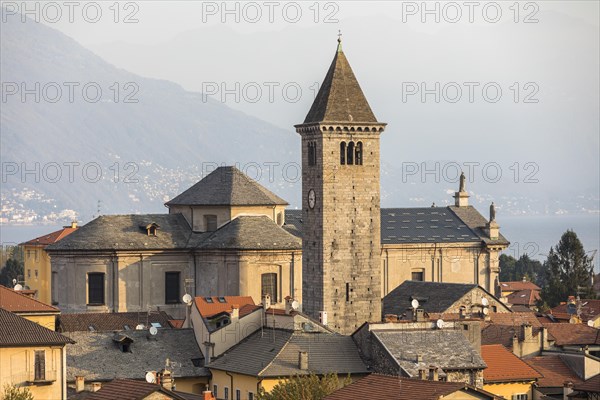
(305, 387)
(12, 392)
(512, 269)
(12, 270)
(507, 268)
(567, 271)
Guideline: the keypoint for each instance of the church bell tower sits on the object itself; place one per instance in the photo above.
(341, 244)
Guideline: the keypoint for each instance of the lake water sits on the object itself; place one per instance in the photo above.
(533, 235)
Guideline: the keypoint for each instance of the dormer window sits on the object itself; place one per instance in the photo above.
(151, 228)
(211, 223)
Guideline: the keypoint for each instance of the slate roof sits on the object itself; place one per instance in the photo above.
(16, 302)
(123, 232)
(446, 349)
(128, 389)
(251, 233)
(50, 237)
(434, 297)
(474, 220)
(504, 366)
(110, 322)
(340, 98)
(97, 357)
(423, 225)
(17, 331)
(227, 186)
(565, 334)
(554, 371)
(274, 353)
(387, 387)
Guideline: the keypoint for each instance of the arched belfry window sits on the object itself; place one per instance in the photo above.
(358, 154)
(350, 153)
(343, 153)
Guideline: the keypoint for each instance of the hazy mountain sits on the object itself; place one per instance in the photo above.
(170, 136)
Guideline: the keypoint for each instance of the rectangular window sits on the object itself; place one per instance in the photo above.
(226, 393)
(40, 365)
(417, 276)
(54, 288)
(171, 287)
(269, 286)
(347, 291)
(29, 274)
(250, 396)
(96, 288)
(238, 395)
(215, 390)
(522, 396)
(211, 223)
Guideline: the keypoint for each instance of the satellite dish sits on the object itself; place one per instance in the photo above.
(486, 311)
(307, 327)
(153, 330)
(14, 282)
(187, 299)
(439, 323)
(140, 327)
(18, 287)
(485, 301)
(295, 305)
(414, 303)
(150, 377)
(590, 323)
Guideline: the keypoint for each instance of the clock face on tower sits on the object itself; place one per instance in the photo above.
(312, 198)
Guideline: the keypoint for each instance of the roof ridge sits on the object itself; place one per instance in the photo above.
(29, 298)
(288, 340)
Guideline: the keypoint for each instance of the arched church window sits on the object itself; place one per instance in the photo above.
(358, 154)
(343, 153)
(350, 153)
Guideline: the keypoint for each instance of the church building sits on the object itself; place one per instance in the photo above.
(338, 255)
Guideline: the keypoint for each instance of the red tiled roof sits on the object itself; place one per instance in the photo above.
(518, 285)
(504, 366)
(128, 389)
(208, 309)
(176, 323)
(16, 302)
(386, 387)
(50, 238)
(525, 297)
(18, 331)
(590, 309)
(554, 371)
(572, 334)
(591, 385)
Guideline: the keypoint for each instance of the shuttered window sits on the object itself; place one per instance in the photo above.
(40, 365)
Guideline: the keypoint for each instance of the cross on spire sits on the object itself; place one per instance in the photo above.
(339, 48)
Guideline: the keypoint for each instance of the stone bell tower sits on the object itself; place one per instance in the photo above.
(341, 272)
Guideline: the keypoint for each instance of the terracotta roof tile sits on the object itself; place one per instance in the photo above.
(554, 371)
(217, 305)
(176, 323)
(591, 385)
(18, 331)
(16, 302)
(128, 389)
(504, 366)
(518, 285)
(50, 237)
(526, 297)
(385, 387)
(590, 309)
(573, 334)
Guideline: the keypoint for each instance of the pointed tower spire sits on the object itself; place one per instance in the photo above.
(340, 98)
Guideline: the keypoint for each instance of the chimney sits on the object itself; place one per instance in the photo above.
(288, 305)
(524, 278)
(73, 224)
(166, 380)
(567, 389)
(433, 373)
(527, 331)
(423, 374)
(266, 302)
(79, 383)
(235, 312)
(207, 395)
(419, 358)
(303, 360)
(96, 386)
(420, 316)
(515, 345)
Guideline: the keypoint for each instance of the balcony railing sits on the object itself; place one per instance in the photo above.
(29, 378)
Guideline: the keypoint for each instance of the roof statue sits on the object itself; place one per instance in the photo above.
(461, 188)
(492, 212)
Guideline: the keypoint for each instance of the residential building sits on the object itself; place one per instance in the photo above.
(573, 337)
(520, 332)
(28, 307)
(507, 288)
(32, 356)
(581, 311)
(131, 390)
(37, 269)
(506, 374)
(557, 377)
(270, 355)
(411, 349)
(386, 387)
(441, 299)
(99, 357)
(526, 297)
